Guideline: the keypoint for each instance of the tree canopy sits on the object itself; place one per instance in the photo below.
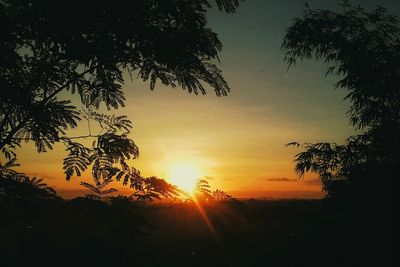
(84, 47)
(362, 48)
(53, 49)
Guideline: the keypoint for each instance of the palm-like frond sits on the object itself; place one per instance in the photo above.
(109, 191)
(98, 193)
(229, 6)
(112, 123)
(202, 188)
(15, 185)
(220, 195)
(91, 187)
(332, 161)
(77, 160)
(48, 122)
(147, 189)
(117, 147)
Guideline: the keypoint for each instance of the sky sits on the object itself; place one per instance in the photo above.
(236, 142)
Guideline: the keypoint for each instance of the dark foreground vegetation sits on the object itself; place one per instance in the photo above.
(119, 232)
(85, 54)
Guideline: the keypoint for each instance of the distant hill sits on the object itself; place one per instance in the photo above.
(277, 194)
(72, 193)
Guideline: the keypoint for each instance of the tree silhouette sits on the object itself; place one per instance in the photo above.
(202, 189)
(86, 48)
(18, 186)
(147, 189)
(108, 159)
(219, 195)
(47, 56)
(362, 48)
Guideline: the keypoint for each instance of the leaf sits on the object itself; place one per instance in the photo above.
(91, 187)
(108, 191)
(296, 144)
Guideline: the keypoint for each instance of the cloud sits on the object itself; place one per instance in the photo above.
(315, 181)
(210, 178)
(281, 179)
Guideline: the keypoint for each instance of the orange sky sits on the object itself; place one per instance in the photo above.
(240, 148)
(237, 141)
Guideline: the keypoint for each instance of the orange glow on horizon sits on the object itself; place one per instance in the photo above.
(239, 149)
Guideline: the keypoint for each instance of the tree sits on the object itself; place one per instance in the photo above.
(147, 189)
(86, 48)
(202, 192)
(18, 186)
(52, 50)
(219, 195)
(363, 49)
(202, 189)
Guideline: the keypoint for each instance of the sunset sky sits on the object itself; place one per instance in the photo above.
(237, 142)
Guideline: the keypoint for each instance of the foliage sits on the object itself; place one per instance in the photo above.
(86, 49)
(18, 186)
(218, 195)
(152, 187)
(97, 189)
(202, 191)
(111, 146)
(362, 48)
(332, 162)
(108, 159)
(47, 56)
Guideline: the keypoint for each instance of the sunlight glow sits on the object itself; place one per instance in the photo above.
(184, 175)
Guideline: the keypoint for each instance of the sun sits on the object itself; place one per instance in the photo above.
(184, 175)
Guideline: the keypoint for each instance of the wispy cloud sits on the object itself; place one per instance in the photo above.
(226, 179)
(281, 179)
(315, 181)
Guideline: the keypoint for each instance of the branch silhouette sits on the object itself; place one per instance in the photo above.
(360, 47)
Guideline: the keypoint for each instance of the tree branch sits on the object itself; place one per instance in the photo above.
(10, 135)
(50, 96)
(61, 138)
